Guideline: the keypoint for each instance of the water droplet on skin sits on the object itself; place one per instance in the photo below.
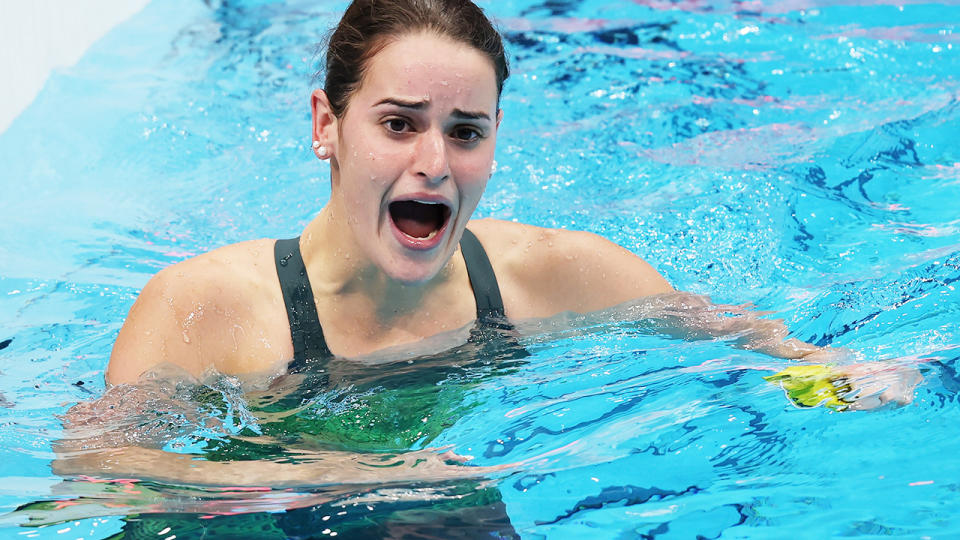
(186, 338)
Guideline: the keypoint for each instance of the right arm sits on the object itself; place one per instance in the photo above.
(220, 311)
(311, 469)
(117, 436)
(161, 328)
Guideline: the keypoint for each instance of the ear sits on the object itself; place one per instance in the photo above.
(499, 117)
(324, 124)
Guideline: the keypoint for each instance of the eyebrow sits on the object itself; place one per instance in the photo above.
(420, 105)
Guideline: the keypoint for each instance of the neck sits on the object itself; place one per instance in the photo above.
(341, 271)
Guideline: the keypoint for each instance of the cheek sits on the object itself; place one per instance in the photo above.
(472, 187)
(379, 172)
(371, 168)
(475, 167)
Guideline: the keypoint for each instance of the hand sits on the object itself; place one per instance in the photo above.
(844, 387)
(430, 464)
(875, 384)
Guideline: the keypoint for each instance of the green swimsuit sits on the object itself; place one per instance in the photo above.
(404, 408)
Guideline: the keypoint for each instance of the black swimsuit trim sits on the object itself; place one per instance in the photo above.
(309, 345)
(308, 340)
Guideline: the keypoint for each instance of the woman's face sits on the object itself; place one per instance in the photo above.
(413, 152)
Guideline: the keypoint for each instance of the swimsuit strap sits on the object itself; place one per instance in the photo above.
(308, 341)
(482, 279)
(305, 330)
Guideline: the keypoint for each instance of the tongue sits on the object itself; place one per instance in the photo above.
(417, 219)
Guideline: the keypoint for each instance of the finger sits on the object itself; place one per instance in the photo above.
(446, 453)
(902, 396)
(458, 458)
(866, 403)
(913, 378)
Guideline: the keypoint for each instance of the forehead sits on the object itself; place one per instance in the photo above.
(427, 67)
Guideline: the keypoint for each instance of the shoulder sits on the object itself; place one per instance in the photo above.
(510, 236)
(231, 272)
(195, 313)
(546, 271)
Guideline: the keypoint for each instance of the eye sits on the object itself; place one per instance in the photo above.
(398, 125)
(467, 134)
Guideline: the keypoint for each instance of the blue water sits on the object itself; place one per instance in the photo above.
(797, 155)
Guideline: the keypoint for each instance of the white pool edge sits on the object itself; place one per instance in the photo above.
(38, 36)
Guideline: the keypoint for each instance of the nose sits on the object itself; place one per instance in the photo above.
(430, 162)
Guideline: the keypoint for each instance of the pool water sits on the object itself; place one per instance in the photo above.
(797, 155)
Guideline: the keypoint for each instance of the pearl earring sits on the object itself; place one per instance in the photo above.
(320, 150)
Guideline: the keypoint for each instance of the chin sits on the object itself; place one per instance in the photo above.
(413, 274)
(415, 268)
(414, 257)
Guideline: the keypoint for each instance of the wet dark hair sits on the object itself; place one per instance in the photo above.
(370, 25)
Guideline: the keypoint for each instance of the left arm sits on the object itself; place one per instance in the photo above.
(550, 271)
(543, 272)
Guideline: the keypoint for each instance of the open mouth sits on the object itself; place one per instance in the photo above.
(420, 220)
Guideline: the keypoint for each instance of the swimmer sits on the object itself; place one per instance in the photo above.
(408, 119)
